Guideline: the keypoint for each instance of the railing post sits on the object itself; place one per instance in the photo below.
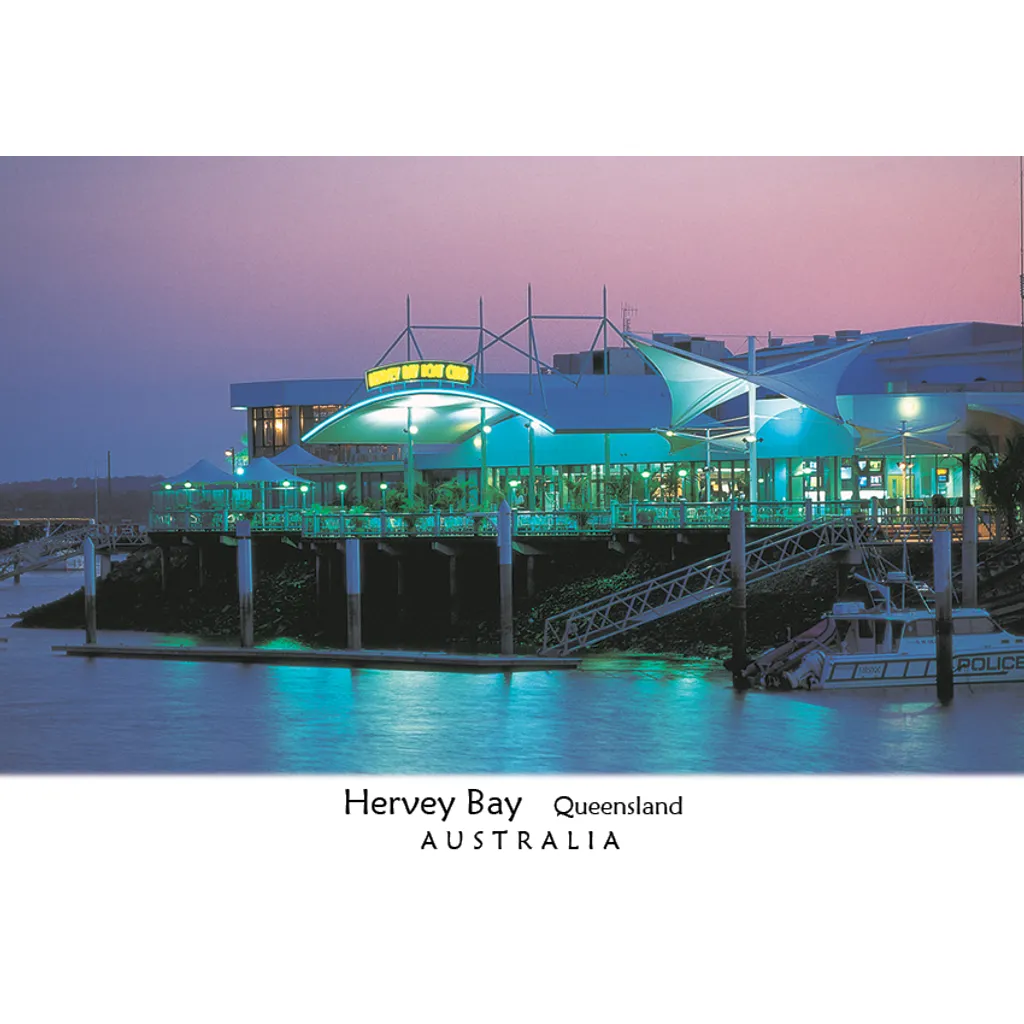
(808, 510)
(682, 515)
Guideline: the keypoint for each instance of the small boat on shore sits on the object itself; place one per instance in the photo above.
(861, 645)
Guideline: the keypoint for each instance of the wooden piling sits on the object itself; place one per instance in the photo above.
(354, 591)
(89, 558)
(969, 558)
(505, 577)
(943, 587)
(738, 580)
(243, 532)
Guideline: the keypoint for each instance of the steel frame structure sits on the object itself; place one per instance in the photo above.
(44, 551)
(608, 616)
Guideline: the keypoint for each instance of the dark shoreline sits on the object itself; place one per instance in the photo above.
(286, 605)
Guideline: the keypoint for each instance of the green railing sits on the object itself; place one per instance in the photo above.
(916, 523)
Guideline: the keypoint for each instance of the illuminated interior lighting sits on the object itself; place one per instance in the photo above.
(188, 484)
(383, 487)
(477, 443)
(487, 428)
(167, 487)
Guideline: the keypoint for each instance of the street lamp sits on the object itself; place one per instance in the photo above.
(229, 453)
(412, 430)
(342, 488)
(646, 474)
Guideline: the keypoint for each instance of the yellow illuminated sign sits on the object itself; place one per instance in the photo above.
(400, 373)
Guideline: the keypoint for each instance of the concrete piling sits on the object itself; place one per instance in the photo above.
(943, 587)
(89, 558)
(969, 558)
(738, 579)
(354, 592)
(243, 533)
(505, 577)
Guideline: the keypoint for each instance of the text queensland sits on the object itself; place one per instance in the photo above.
(568, 807)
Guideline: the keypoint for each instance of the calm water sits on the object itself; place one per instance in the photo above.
(60, 714)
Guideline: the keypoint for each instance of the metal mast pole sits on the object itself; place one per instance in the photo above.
(752, 418)
(408, 328)
(1020, 168)
(604, 328)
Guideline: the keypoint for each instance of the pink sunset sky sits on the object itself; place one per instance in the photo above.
(135, 290)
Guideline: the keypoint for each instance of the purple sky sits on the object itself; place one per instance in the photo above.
(134, 291)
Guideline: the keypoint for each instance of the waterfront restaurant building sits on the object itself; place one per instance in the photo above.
(663, 417)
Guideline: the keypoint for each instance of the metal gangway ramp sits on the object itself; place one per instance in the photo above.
(682, 588)
(44, 551)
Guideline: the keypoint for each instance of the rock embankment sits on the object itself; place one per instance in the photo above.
(131, 598)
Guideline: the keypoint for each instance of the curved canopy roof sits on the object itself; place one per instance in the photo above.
(436, 416)
(698, 383)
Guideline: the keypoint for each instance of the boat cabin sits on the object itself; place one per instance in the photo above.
(879, 632)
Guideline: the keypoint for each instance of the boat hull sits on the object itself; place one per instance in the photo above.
(856, 672)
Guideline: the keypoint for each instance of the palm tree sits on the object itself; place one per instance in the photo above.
(1000, 474)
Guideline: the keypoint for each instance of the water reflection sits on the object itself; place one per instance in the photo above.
(619, 715)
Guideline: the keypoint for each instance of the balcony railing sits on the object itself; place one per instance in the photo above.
(916, 524)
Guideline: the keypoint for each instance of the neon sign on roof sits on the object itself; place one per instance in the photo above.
(401, 373)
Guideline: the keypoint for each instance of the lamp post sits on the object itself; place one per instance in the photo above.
(531, 492)
(646, 474)
(229, 453)
(383, 496)
(682, 474)
(512, 485)
(903, 466)
(411, 430)
(707, 465)
(342, 488)
(484, 431)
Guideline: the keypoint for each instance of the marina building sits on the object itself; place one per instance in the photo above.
(667, 417)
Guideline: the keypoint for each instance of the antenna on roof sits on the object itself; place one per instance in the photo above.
(628, 312)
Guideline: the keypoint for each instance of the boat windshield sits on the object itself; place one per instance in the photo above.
(870, 636)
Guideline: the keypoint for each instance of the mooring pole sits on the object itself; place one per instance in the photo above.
(243, 534)
(969, 558)
(943, 586)
(89, 558)
(738, 579)
(17, 540)
(354, 590)
(505, 576)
